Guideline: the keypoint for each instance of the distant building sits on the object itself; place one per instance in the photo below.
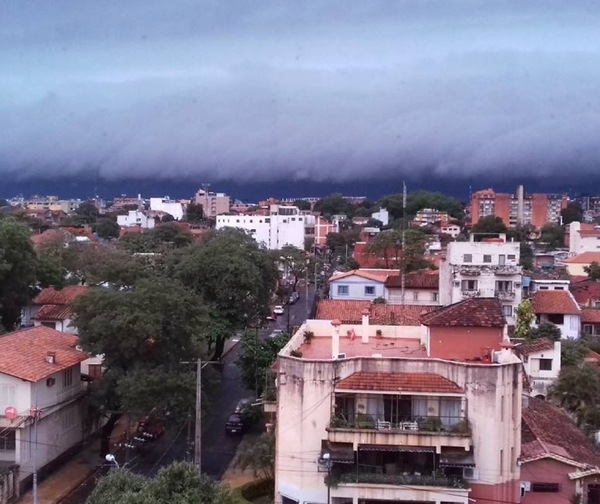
(450, 229)
(124, 201)
(428, 216)
(166, 205)
(136, 218)
(382, 216)
(541, 362)
(284, 225)
(582, 237)
(52, 203)
(213, 204)
(518, 209)
(318, 228)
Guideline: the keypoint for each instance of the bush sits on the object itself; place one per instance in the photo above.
(255, 489)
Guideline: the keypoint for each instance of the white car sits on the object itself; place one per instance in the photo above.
(275, 333)
(278, 310)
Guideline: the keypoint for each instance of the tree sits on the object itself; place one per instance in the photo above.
(425, 199)
(525, 317)
(3, 203)
(194, 213)
(553, 236)
(232, 274)
(334, 204)
(171, 234)
(260, 457)
(592, 271)
(572, 213)
(387, 246)
(545, 330)
(106, 228)
(177, 483)
(578, 390)
(489, 224)
(526, 256)
(18, 267)
(302, 204)
(85, 214)
(573, 352)
(167, 218)
(144, 334)
(294, 261)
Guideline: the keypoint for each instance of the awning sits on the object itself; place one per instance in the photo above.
(396, 448)
(457, 458)
(340, 453)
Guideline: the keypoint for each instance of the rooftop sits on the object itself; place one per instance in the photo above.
(586, 290)
(399, 382)
(23, 353)
(584, 258)
(590, 316)
(426, 279)
(320, 347)
(554, 301)
(52, 296)
(375, 274)
(473, 312)
(547, 431)
(535, 346)
(351, 312)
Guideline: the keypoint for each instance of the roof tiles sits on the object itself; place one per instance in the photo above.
(350, 312)
(53, 312)
(554, 301)
(399, 382)
(427, 279)
(63, 296)
(584, 258)
(473, 312)
(535, 346)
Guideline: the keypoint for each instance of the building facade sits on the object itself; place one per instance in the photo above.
(582, 238)
(542, 364)
(318, 228)
(557, 307)
(166, 205)
(284, 225)
(486, 268)
(213, 204)
(365, 284)
(136, 218)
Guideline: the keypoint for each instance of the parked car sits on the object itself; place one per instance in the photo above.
(293, 298)
(244, 404)
(278, 310)
(275, 333)
(150, 428)
(234, 424)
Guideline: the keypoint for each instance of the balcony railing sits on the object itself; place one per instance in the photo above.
(507, 269)
(437, 480)
(469, 293)
(505, 295)
(445, 424)
(470, 271)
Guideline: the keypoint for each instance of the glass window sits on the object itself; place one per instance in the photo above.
(545, 364)
(556, 318)
(503, 285)
(342, 290)
(434, 296)
(468, 258)
(415, 296)
(68, 377)
(7, 441)
(469, 285)
(369, 290)
(487, 258)
(507, 310)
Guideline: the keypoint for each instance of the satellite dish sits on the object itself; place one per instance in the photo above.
(11, 413)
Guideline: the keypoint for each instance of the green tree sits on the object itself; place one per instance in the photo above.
(293, 261)
(85, 214)
(171, 234)
(572, 213)
(490, 225)
(302, 204)
(178, 483)
(525, 317)
(167, 218)
(546, 330)
(577, 390)
(18, 268)
(233, 275)
(334, 204)
(106, 228)
(553, 236)
(144, 334)
(419, 200)
(573, 351)
(194, 213)
(526, 256)
(259, 457)
(387, 246)
(592, 271)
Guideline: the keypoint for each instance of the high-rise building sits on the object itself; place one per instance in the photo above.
(536, 209)
(213, 204)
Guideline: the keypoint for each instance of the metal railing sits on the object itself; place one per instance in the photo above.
(445, 424)
(364, 475)
(504, 294)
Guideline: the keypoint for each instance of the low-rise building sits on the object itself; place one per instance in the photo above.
(541, 360)
(559, 308)
(452, 230)
(382, 216)
(213, 204)
(420, 288)
(582, 237)
(428, 216)
(576, 265)
(318, 228)
(136, 218)
(590, 321)
(166, 205)
(352, 312)
(364, 283)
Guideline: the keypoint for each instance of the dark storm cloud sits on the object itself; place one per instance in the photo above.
(327, 90)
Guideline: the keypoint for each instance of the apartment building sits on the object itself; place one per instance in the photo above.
(213, 204)
(582, 237)
(368, 414)
(284, 225)
(482, 267)
(136, 218)
(428, 216)
(519, 208)
(318, 228)
(52, 203)
(167, 205)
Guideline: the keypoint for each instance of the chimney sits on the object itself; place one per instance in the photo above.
(365, 326)
(506, 352)
(335, 338)
(51, 358)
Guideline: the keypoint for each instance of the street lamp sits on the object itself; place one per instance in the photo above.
(111, 458)
(326, 457)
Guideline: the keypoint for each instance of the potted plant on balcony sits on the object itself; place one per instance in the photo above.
(308, 336)
(431, 424)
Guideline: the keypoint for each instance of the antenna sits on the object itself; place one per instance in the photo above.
(402, 258)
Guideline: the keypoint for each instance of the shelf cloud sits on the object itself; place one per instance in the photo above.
(321, 89)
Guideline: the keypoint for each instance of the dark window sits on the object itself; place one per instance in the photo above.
(545, 487)
(7, 441)
(556, 318)
(545, 364)
(487, 258)
(468, 258)
(369, 290)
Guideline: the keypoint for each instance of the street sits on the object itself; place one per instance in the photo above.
(218, 449)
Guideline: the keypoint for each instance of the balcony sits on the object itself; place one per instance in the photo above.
(470, 271)
(470, 293)
(507, 269)
(374, 476)
(505, 295)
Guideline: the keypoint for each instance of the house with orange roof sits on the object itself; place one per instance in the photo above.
(364, 283)
(558, 307)
(576, 265)
(41, 394)
(420, 288)
(590, 321)
(586, 292)
(542, 363)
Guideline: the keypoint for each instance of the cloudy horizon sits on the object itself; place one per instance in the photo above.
(298, 90)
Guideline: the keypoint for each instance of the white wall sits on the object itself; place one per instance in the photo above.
(356, 288)
(570, 328)
(451, 229)
(165, 205)
(578, 243)
(136, 218)
(382, 216)
(425, 297)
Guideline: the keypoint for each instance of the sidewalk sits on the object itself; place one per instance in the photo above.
(57, 485)
(233, 476)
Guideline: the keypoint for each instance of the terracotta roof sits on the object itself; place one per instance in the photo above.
(547, 430)
(53, 312)
(474, 312)
(366, 260)
(554, 301)
(350, 312)
(584, 258)
(535, 346)
(399, 382)
(427, 279)
(575, 279)
(585, 291)
(590, 316)
(59, 297)
(377, 275)
(23, 353)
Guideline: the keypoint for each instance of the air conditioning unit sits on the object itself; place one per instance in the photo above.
(470, 473)
(340, 356)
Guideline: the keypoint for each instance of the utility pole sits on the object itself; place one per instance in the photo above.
(198, 432)
(402, 259)
(306, 287)
(35, 412)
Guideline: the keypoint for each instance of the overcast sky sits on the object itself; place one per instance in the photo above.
(321, 89)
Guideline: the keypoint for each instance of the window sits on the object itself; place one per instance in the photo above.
(596, 304)
(503, 285)
(415, 296)
(468, 258)
(511, 257)
(587, 329)
(501, 259)
(468, 285)
(545, 364)
(559, 288)
(434, 296)
(267, 220)
(501, 462)
(51, 325)
(7, 396)
(7, 441)
(68, 377)
(556, 318)
(507, 310)
(369, 290)
(342, 290)
(68, 418)
(545, 487)
(487, 258)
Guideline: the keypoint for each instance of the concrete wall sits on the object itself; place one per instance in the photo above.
(425, 297)
(548, 471)
(570, 328)
(463, 342)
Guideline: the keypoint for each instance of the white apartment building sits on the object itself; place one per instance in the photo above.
(486, 268)
(285, 225)
(135, 218)
(583, 238)
(39, 372)
(541, 361)
(213, 204)
(383, 418)
(382, 216)
(175, 208)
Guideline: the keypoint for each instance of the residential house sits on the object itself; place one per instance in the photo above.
(559, 308)
(428, 216)
(420, 288)
(371, 414)
(555, 279)
(136, 218)
(47, 217)
(590, 321)
(166, 205)
(362, 283)
(582, 237)
(576, 265)
(353, 312)
(586, 293)
(482, 267)
(558, 462)
(39, 378)
(284, 225)
(541, 360)
(213, 204)
(382, 216)
(452, 230)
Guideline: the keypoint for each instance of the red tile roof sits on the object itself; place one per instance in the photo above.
(53, 312)
(366, 260)
(474, 312)
(584, 258)
(59, 297)
(399, 382)
(427, 279)
(377, 275)
(585, 291)
(590, 316)
(23, 353)
(350, 312)
(535, 346)
(548, 431)
(554, 301)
